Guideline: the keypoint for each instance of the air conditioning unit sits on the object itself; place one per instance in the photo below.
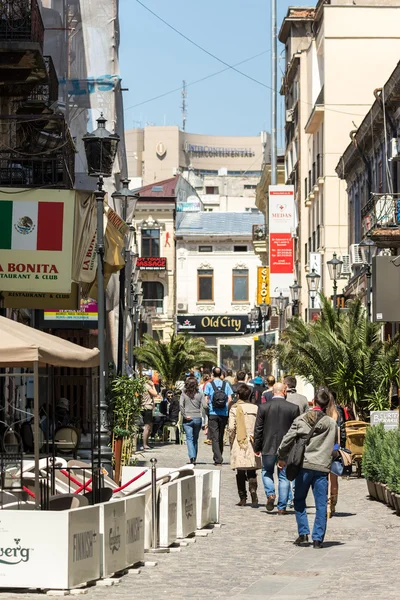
(346, 267)
(355, 255)
(289, 115)
(182, 307)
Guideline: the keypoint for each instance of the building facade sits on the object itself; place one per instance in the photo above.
(216, 276)
(333, 52)
(224, 170)
(155, 225)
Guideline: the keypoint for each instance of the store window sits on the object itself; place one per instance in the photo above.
(212, 189)
(235, 357)
(151, 243)
(240, 285)
(153, 295)
(205, 285)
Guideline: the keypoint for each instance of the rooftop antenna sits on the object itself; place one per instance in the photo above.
(183, 107)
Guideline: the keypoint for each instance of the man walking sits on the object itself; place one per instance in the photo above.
(241, 378)
(270, 384)
(219, 394)
(292, 395)
(274, 420)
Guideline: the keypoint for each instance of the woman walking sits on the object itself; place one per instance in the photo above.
(242, 419)
(336, 413)
(191, 403)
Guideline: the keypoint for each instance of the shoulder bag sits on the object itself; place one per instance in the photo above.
(296, 455)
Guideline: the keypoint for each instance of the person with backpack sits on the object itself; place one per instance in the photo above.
(219, 394)
(258, 390)
(316, 433)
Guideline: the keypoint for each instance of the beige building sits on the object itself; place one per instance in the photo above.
(224, 170)
(336, 54)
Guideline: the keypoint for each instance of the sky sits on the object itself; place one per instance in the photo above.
(155, 60)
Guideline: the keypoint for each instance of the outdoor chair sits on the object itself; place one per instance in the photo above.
(177, 431)
(67, 501)
(67, 440)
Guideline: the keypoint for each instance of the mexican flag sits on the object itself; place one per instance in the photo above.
(28, 225)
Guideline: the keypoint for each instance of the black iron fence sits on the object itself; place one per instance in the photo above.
(20, 20)
(381, 211)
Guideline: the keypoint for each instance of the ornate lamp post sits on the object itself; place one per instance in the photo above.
(295, 294)
(368, 250)
(253, 318)
(126, 197)
(313, 282)
(335, 270)
(264, 308)
(101, 148)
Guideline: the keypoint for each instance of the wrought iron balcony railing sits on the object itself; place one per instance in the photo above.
(20, 21)
(260, 233)
(46, 93)
(382, 211)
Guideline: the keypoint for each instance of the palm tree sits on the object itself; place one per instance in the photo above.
(341, 350)
(174, 358)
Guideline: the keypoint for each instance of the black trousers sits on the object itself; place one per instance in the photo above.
(216, 428)
(243, 475)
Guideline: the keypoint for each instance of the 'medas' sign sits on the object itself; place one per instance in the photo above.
(36, 231)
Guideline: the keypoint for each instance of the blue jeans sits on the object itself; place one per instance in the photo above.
(268, 467)
(192, 429)
(318, 481)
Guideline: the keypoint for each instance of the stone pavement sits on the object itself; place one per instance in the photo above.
(251, 557)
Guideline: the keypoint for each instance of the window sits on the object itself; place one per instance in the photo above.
(240, 292)
(205, 285)
(240, 248)
(150, 243)
(249, 187)
(153, 295)
(205, 248)
(212, 189)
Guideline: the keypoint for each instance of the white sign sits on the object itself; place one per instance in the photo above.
(113, 533)
(134, 519)
(215, 492)
(389, 418)
(83, 545)
(187, 522)
(168, 514)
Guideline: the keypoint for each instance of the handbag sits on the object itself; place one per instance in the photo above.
(342, 460)
(296, 455)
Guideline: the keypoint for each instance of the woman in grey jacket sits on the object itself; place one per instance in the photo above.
(191, 402)
(316, 466)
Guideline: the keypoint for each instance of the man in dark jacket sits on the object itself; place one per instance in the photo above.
(274, 420)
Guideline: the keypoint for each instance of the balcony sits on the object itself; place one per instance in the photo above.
(21, 46)
(317, 114)
(381, 218)
(36, 152)
(260, 239)
(43, 95)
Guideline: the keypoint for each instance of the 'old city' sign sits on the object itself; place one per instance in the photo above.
(213, 324)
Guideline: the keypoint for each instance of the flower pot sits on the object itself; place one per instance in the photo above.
(386, 493)
(397, 503)
(372, 489)
(379, 489)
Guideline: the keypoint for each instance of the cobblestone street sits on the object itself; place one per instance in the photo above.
(252, 557)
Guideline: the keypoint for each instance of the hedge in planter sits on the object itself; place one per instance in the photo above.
(372, 458)
(393, 481)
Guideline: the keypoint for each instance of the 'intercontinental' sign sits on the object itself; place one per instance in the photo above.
(212, 152)
(213, 324)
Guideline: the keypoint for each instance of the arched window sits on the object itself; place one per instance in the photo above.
(153, 295)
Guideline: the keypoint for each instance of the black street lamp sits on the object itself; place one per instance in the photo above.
(313, 282)
(264, 309)
(126, 197)
(368, 250)
(253, 318)
(295, 294)
(101, 148)
(281, 304)
(335, 271)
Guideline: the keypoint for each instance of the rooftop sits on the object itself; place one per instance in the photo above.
(223, 224)
(160, 189)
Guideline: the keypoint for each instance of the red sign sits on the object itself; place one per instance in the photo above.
(151, 264)
(281, 253)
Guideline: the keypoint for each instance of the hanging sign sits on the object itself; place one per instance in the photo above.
(263, 285)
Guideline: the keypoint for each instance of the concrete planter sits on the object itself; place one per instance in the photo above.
(380, 492)
(372, 489)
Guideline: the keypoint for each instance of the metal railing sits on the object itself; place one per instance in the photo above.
(260, 233)
(382, 211)
(46, 92)
(20, 21)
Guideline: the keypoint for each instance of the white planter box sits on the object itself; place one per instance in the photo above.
(134, 522)
(168, 507)
(186, 523)
(113, 537)
(204, 500)
(48, 549)
(215, 492)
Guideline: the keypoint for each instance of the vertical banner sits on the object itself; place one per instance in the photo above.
(281, 246)
(263, 285)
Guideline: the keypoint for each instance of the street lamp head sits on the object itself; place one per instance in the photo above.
(368, 250)
(335, 267)
(264, 309)
(295, 291)
(282, 302)
(100, 149)
(125, 195)
(313, 281)
(254, 314)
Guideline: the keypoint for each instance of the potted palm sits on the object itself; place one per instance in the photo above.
(126, 404)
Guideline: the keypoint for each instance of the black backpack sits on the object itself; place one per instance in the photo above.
(220, 398)
(296, 455)
(258, 390)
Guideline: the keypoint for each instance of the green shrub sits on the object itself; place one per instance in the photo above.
(393, 480)
(372, 457)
